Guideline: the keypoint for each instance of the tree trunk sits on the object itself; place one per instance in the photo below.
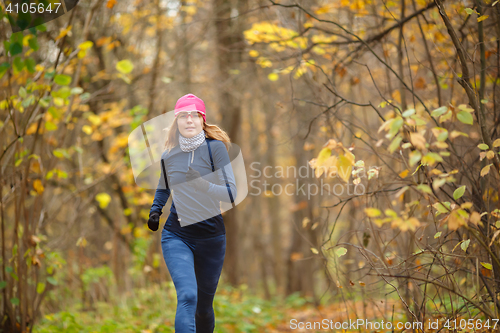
(229, 41)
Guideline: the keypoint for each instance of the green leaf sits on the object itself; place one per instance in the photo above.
(54, 112)
(3, 284)
(18, 64)
(60, 153)
(408, 113)
(395, 143)
(483, 146)
(14, 301)
(30, 65)
(76, 91)
(84, 96)
(465, 117)
(484, 101)
(41, 27)
(40, 287)
(52, 281)
(465, 245)
(459, 192)
(439, 111)
(17, 37)
(438, 234)
(22, 92)
(15, 48)
(33, 43)
(3, 68)
(424, 188)
(62, 80)
(50, 126)
(64, 92)
(49, 75)
(340, 251)
(395, 126)
(125, 66)
(415, 156)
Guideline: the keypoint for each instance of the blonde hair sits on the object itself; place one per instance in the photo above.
(211, 132)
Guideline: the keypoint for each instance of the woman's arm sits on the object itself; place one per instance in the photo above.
(162, 193)
(221, 160)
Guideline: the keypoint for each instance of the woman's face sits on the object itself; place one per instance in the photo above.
(189, 125)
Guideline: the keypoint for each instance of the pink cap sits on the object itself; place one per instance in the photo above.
(190, 102)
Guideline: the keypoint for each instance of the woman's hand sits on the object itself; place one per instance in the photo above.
(196, 181)
(154, 221)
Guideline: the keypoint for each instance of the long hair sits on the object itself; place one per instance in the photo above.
(211, 132)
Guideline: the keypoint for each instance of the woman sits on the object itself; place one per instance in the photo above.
(194, 253)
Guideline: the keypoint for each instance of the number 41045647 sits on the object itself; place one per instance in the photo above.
(32, 8)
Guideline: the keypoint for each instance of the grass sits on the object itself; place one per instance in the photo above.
(153, 311)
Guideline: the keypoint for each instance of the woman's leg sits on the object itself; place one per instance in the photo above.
(178, 255)
(208, 259)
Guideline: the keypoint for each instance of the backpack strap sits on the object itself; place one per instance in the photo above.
(223, 172)
(164, 173)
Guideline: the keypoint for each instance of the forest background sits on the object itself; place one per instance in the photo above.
(392, 107)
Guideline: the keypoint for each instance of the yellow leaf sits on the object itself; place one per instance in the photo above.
(38, 186)
(323, 155)
(94, 119)
(32, 129)
(82, 242)
(103, 199)
(87, 129)
(313, 250)
(417, 140)
(325, 9)
(273, 77)
(83, 48)
(490, 154)
(329, 166)
(64, 32)
(344, 167)
(482, 18)
(253, 53)
(350, 156)
(372, 212)
(485, 170)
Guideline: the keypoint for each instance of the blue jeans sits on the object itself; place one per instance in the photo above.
(195, 266)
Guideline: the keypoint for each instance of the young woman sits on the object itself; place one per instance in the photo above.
(194, 253)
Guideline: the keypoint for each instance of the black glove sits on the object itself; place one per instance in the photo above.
(197, 182)
(154, 221)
